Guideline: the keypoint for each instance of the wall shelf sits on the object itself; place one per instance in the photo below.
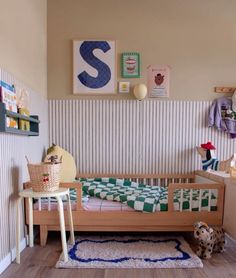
(33, 119)
(225, 89)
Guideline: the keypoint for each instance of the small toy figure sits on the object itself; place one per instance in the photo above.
(54, 159)
(209, 161)
(209, 239)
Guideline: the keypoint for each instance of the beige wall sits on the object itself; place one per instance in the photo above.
(23, 43)
(196, 38)
(23, 47)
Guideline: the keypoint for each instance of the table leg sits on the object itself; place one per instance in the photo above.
(72, 237)
(31, 233)
(18, 230)
(63, 230)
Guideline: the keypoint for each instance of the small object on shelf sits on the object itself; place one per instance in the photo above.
(24, 124)
(8, 96)
(209, 160)
(22, 97)
(11, 122)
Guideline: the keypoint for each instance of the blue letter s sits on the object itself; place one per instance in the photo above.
(104, 72)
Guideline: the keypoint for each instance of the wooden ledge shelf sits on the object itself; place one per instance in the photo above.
(224, 90)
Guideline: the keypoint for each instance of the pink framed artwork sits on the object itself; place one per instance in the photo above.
(158, 81)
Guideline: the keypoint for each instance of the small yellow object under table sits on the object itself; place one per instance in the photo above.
(58, 194)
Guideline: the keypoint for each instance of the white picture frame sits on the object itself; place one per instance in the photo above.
(158, 81)
(124, 87)
(94, 67)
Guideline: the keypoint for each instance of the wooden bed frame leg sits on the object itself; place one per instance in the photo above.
(43, 235)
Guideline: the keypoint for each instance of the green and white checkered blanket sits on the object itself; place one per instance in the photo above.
(141, 197)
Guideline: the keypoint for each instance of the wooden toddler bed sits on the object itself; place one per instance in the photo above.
(180, 219)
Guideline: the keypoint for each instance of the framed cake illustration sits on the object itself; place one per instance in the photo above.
(130, 65)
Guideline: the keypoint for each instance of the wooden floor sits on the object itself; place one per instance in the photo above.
(39, 262)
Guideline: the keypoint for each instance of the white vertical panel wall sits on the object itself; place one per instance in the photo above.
(128, 136)
(13, 167)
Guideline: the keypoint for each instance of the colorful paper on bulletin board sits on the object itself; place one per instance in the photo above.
(8, 96)
(158, 81)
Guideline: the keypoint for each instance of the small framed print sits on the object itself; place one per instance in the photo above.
(124, 87)
(130, 65)
(94, 67)
(158, 81)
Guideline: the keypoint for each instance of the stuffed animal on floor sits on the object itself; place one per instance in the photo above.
(210, 239)
(209, 161)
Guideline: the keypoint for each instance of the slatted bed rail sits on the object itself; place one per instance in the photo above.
(150, 179)
(162, 180)
(173, 182)
(218, 187)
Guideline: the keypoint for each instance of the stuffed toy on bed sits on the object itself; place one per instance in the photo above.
(209, 239)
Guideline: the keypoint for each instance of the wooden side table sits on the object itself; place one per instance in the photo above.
(58, 194)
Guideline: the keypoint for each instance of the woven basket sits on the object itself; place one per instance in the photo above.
(44, 177)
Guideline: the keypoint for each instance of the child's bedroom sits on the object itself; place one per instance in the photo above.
(117, 138)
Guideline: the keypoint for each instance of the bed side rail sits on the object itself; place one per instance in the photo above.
(150, 179)
(196, 186)
(79, 194)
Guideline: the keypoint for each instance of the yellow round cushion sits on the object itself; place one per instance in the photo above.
(68, 167)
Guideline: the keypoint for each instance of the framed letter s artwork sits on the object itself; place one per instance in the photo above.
(94, 67)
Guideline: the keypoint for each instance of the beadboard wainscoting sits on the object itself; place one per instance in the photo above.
(129, 136)
(13, 170)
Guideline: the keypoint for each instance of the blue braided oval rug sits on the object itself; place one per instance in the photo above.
(130, 252)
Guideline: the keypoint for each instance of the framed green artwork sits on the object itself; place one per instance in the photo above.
(130, 65)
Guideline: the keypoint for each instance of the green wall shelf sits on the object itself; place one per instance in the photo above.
(33, 119)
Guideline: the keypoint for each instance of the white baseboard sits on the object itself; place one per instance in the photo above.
(230, 237)
(4, 263)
